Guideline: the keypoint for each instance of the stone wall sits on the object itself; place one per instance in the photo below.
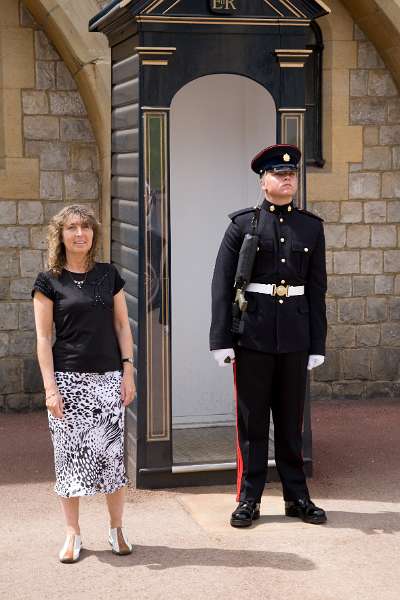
(49, 131)
(363, 257)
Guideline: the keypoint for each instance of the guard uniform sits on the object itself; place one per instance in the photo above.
(284, 323)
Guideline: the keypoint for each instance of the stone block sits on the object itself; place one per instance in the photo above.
(377, 310)
(20, 288)
(356, 364)
(371, 261)
(8, 212)
(393, 211)
(14, 237)
(377, 158)
(384, 236)
(396, 157)
(358, 82)
(384, 284)
(18, 65)
(382, 390)
(45, 75)
(30, 212)
(18, 402)
(76, 130)
(371, 136)
(346, 390)
(392, 261)
(364, 185)
(391, 184)
(347, 261)
(22, 343)
(26, 316)
(8, 263)
(65, 81)
(390, 334)
(331, 311)
(394, 110)
(8, 316)
(39, 238)
(4, 289)
(32, 378)
(34, 102)
(51, 185)
(358, 33)
(368, 57)
(37, 401)
(41, 128)
(380, 83)
(81, 186)
(4, 344)
(44, 49)
(330, 370)
(67, 103)
(351, 212)
(54, 156)
(341, 336)
(363, 285)
(355, 167)
(51, 209)
(367, 111)
(85, 158)
(339, 285)
(375, 212)
(389, 135)
(31, 262)
(394, 309)
(320, 391)
(368, 335)
(385, 363)
(351, 310)
(358, 236)
(335, 236)
(26, 19)
(397, 285)
(10, 376)
(329, 261)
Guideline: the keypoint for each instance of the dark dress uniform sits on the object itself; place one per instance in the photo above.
(280, 332)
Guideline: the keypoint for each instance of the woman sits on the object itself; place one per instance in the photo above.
(87, 374)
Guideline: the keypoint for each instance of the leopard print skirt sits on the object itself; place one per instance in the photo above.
(89, 441)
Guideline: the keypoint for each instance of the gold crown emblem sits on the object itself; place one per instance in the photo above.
(286, 157)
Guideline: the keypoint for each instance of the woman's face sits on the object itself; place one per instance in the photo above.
(77, 236)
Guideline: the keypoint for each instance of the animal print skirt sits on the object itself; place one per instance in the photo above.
(89, 441)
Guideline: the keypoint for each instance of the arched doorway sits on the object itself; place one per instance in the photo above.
(217, 124)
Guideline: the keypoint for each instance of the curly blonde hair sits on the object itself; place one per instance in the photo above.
(56, 249)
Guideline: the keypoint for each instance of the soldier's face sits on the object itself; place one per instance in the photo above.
(281, 184)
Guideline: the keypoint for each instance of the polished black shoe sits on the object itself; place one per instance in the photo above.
(305, 510)
(245, 514)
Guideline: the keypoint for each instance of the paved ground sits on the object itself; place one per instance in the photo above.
(184, 547)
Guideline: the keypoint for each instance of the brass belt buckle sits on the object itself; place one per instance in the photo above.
(281, 290)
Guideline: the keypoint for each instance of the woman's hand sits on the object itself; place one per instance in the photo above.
(55, 404)
(128, 388)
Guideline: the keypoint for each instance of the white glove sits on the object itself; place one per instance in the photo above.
(315, 360)
(224, 357)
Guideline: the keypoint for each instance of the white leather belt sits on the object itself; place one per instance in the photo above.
(276, 290)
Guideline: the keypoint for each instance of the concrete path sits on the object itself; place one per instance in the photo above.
(185, 548)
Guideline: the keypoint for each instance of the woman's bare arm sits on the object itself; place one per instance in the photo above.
(125, 341)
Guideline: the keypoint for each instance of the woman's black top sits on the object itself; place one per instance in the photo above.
(83, 314)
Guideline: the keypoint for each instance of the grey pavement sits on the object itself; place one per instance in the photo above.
(184, 546)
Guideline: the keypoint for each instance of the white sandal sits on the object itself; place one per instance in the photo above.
(71, 550)
(118, 542)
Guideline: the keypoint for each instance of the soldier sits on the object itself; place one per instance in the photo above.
(283, 334)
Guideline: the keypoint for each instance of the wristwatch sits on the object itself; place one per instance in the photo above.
(128, 360)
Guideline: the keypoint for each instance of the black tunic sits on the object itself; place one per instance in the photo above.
(86, 341)
(291, 249)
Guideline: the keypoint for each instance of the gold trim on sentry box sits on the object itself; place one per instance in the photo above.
(291, 65)
(155, 63)
(293, 9)
(155, 50)
(171, 7)
(323, 5)
(221, 21)
(274, 8)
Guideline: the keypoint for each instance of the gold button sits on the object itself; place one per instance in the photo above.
(282, 240)
(283, 259)
(289, 209)
(283, 282)
(305, 249)
(281, 220)
(280, 301)
(272, 208)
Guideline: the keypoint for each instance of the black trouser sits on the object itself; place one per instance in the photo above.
(264, 382)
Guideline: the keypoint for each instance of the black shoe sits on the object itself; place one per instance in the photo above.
(306, 510)
(245, 514)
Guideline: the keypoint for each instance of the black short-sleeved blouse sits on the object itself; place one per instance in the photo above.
(86, 340)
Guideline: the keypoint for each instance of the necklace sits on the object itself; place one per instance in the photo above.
(78, 282)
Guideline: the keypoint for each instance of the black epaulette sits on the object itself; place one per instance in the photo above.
(310, 214)
(242, 211)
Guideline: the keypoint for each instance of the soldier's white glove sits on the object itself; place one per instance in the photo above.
(315, 360)
(224, 357)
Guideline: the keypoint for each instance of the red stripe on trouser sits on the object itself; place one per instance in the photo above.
(238, 451)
